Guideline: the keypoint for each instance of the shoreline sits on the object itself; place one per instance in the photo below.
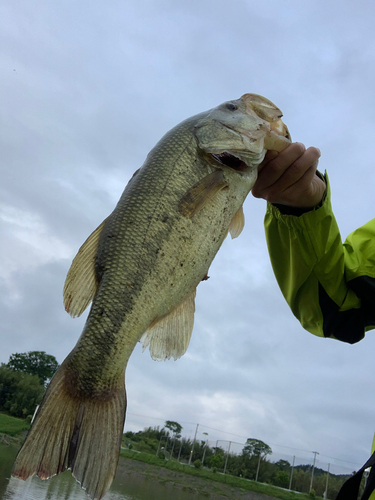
(196, 486)
(198, 483)
(216, 486)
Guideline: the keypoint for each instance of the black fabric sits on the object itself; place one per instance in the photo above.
(298, 211)
(364, 288)
(349, 326)
(370, 484)
(350, 489)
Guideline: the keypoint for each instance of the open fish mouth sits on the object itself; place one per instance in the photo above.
(231, 161)
(276, 137)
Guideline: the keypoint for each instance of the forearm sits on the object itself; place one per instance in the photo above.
(311, 266)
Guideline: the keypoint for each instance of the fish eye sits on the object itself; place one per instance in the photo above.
(231, 106)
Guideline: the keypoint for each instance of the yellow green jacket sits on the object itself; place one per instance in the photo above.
(330, 286)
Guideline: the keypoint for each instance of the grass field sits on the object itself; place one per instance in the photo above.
(12, 426)
(233, 481)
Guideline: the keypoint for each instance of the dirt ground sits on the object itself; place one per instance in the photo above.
(197, 487)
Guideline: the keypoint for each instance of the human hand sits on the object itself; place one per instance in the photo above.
(289, 178)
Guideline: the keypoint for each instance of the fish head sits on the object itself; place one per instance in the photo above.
(238, 133)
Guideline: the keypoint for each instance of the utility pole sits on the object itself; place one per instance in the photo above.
(313, 467)
(326, 490)
(192, 448)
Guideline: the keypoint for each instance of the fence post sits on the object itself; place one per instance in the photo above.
(192, 448)
(226, 461)
(204, 451)
(291, 473)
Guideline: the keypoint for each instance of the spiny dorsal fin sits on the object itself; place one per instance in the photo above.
(170, 336)
(80, 284)
(237, 224)
(201, 193)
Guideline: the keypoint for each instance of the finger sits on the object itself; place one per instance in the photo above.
(278, 165)
(270, 155)
(307, 192)
(304, 182)
(308, 160)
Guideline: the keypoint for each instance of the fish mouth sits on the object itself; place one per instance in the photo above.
(231, 161)
(274, 137)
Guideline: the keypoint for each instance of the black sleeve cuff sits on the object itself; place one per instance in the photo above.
(298, 211)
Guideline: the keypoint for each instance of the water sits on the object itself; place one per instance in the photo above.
(64, 487)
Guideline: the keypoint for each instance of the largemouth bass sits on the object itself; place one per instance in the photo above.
(140, 268)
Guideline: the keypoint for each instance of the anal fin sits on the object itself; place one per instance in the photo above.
(170, 335)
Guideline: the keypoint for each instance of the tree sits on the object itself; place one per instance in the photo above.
(35, 363)
(175, 427)
(20, 393)
(255, 447)
(186, 445)
(283, 465)
(216, 461)
(281, 479)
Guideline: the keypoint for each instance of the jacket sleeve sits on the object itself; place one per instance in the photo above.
(329, 286)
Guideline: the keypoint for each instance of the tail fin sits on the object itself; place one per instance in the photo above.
(81, 435)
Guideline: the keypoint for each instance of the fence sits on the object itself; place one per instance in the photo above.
(298, 470)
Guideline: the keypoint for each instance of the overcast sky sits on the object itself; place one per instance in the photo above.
(87, 89)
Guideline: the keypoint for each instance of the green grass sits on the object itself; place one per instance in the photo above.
(236, 482)
(12, 426)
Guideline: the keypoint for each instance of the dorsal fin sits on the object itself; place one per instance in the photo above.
(237, 224)
(80, 284)
(170, 335)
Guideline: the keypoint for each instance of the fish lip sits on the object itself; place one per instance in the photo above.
(275, 135)
(262, 131)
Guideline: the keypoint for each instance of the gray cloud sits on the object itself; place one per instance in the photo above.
(89, 89)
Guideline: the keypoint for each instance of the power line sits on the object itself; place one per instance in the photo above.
(244, 437)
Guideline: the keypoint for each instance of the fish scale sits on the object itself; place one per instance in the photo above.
(140, 268)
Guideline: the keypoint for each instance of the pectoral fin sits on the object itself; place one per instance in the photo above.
(237, 224)
(170, 336)
(201, 193)
(80, 284)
